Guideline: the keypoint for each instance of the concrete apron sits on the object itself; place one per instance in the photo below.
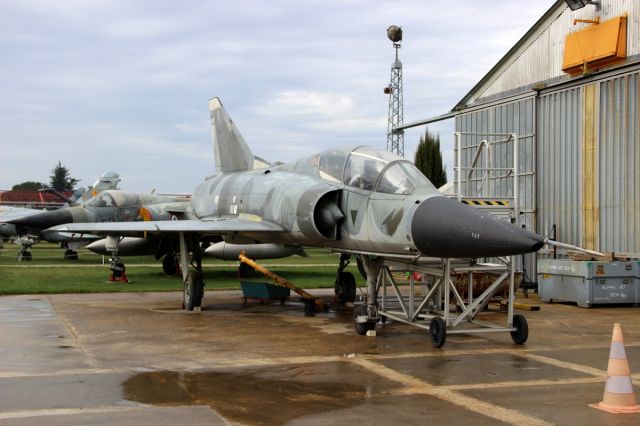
(138, 359)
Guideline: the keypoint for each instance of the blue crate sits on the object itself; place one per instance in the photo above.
(264, 291)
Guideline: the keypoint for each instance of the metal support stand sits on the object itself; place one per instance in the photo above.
(420, 311)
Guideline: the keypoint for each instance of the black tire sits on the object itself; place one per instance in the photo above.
(361, 269)
(169, 265)
(348, 287)
(200, 294)
(26, 257)
(362, 327)
(191, 291)
(521, 334)
(70, 255)
(438, 332)
(345, 288)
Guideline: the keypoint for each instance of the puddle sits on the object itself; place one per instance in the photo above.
(256, 397)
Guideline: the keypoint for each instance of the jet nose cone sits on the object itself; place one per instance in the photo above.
(45, 220)
(446, 228)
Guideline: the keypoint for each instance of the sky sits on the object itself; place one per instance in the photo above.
(124, 84)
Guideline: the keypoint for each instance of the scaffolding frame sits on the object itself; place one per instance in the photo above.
(487, 145)
(464, 181)
(418, 310)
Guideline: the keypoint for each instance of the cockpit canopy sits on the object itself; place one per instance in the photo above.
(114, 199)
(370, 169)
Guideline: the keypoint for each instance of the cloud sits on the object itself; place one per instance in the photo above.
(329, 104)
(139, 27)
(115, 84)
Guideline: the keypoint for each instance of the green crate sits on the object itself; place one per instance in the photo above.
(264, 291)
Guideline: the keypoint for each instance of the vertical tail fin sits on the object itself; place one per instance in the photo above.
(108, 180)
(230, 150)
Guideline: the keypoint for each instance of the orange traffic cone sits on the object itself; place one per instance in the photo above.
(618, 390)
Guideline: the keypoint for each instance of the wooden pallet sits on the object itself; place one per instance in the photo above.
(503, 305)
(608, 256)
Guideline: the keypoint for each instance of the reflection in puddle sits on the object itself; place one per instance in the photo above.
(250, 397)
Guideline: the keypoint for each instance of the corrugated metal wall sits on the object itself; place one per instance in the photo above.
(541, 60)
(559, 175)
(584, 140)
(619, 164)
(558, 142)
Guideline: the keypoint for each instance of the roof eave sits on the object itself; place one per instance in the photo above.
(555, 8)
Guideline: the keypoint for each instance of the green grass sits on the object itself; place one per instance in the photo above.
(49, 273)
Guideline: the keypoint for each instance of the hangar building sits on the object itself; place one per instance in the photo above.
(568, 93)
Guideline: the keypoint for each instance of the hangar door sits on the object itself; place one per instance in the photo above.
(588, 180)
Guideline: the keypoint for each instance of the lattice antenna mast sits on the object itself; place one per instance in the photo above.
(395, 139)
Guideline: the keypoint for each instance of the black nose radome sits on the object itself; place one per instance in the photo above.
(45, 220)
(446, 228)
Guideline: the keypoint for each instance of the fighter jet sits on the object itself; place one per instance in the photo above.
(356, 201)
(109, 206)
(11, 219)
(163, 245)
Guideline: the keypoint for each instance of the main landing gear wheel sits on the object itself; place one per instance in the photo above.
(345, 288)
(70, 255)
(193, 291)
(169, 265)
(438, 332)
(362, 327)
(26, 256)
(521, 334)
(361, 268)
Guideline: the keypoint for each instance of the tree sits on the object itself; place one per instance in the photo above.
(429, 159)
(28, 186)
(60, 179)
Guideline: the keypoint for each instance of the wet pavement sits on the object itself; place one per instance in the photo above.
(138, 359)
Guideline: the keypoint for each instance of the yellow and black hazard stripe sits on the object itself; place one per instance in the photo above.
(497, 203)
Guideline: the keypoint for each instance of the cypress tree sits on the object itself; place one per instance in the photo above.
(429, 159)
(60, 179)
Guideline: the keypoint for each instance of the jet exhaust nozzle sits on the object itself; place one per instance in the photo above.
(442, 227)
